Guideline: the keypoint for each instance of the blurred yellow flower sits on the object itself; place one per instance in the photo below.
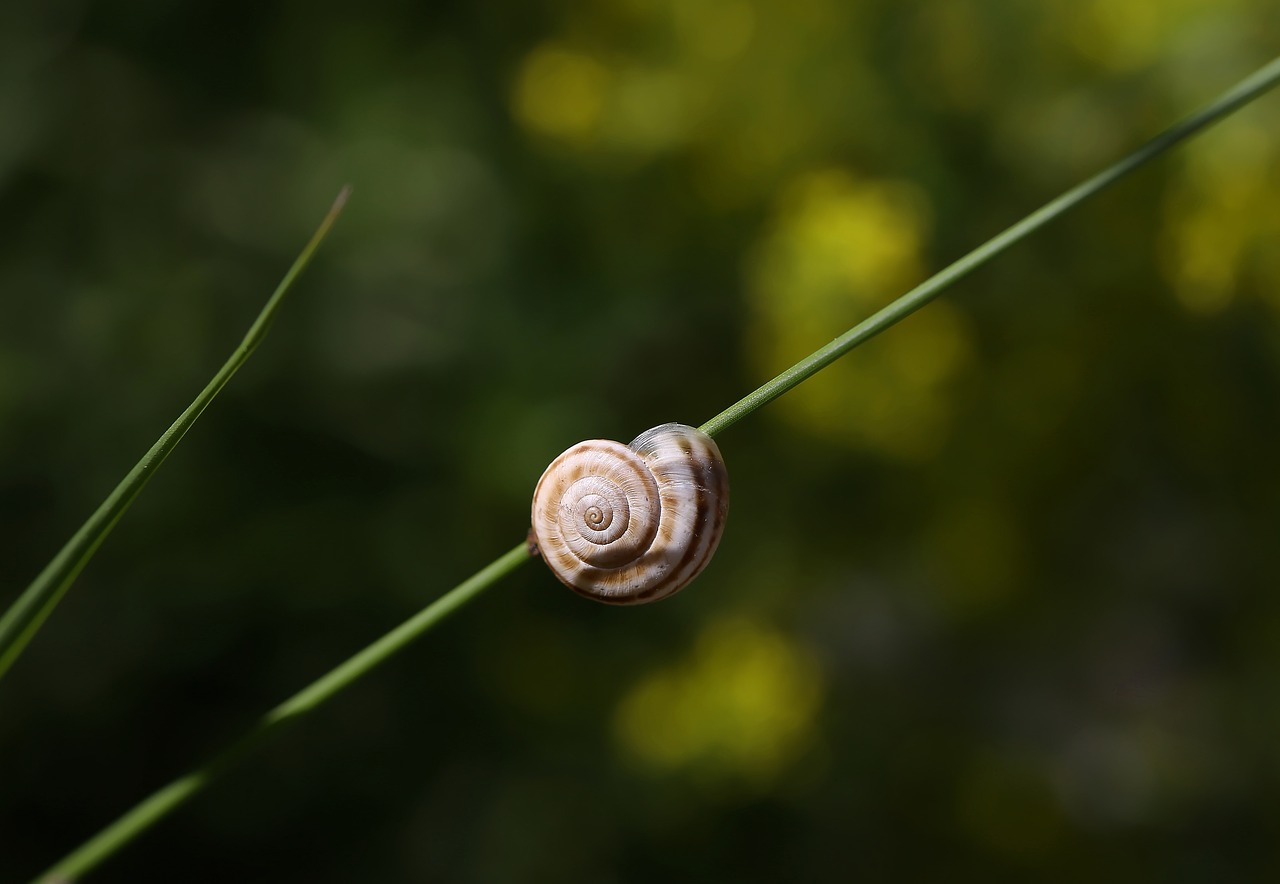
(742, 705)
(561, 93)
(715, 29)
(1220, 216)
(1128, 34)
(838, 249)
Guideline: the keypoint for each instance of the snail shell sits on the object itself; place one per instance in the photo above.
(629, 524)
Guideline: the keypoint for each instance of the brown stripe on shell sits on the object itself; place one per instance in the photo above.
(710, 503)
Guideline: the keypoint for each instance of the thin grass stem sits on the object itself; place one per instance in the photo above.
(1235, 97)
(163, 801)
(25, 616)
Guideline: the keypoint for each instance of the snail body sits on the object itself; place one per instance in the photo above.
(629, 524)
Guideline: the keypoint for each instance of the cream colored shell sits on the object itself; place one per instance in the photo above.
(629, 524)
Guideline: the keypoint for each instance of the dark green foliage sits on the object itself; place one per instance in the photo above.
(1042, 645)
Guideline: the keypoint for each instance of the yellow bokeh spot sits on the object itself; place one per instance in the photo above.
(1128, 34)
(715, 29)
(1200, 259)
(742, 705)
(1220, 218)
(840, 248)
(561, 94)
(835, 235)
(650, 110)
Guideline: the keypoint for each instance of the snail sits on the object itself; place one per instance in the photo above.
(630, 524)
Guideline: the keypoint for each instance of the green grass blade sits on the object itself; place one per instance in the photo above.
(1234, 98)
(161, 802)
(25, 616)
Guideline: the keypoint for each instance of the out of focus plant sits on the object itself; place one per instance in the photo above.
(570, 120)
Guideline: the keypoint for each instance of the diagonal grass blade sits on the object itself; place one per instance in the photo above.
(32, 608)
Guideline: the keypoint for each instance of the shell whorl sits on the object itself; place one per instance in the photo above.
(629, 524)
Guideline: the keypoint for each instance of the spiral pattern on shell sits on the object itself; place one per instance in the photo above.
(629, 524)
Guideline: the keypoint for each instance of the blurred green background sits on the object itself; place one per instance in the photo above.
(998, 595)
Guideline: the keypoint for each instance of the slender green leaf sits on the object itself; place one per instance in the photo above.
(163, 801)
(25, 616)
